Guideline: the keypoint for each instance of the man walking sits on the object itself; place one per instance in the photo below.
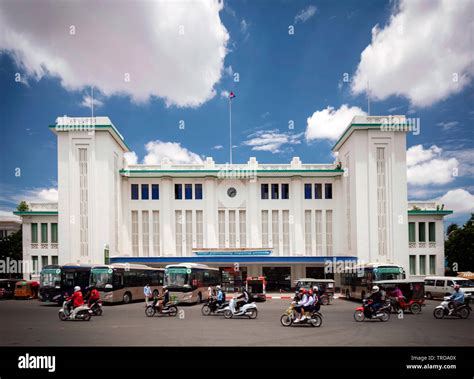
(147, 293)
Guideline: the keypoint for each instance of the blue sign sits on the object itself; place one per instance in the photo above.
(213, 253)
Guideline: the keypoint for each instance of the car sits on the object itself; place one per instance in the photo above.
(440, 286)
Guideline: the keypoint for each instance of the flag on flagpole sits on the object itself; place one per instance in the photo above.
(231, 95)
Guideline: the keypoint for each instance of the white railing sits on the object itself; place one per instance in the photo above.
(422, 205)
(232, 167)
(38, 207)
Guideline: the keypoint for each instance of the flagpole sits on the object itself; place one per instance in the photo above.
(230, 128)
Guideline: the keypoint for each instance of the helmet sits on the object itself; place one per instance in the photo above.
(375, 288)
(302, 290)
(310, 291)
(77, 288)
(218, 287)
(315, 289)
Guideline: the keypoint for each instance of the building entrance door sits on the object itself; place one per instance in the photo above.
(278, 278)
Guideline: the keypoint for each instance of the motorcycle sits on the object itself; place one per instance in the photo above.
(288, 318)
(213, 307)
(446, 308)
(96, 308)
(82, 312)
(383, 313)
(169, 309)
(249, 310)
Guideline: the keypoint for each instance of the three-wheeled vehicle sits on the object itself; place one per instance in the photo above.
(255, 285)
(7, 288)
(325, 286)
(26, 289)
(413, 294)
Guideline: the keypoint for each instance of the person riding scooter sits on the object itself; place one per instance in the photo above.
(396, 294)
(76, 300)
(220, 296)
(457, 298)
(308, 305)
(376, 297)
(163, 299)
(242, 299)
(299, 305)
(93, 297)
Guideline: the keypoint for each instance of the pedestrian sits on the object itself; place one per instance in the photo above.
(147, 293)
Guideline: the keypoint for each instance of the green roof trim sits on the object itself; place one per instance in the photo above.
(197, 171)
(429, 212)
(36, 213)
(115, 131)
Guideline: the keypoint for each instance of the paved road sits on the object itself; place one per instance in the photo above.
(30, 323)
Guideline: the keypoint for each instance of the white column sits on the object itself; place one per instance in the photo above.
(210, 221)
(296, 227)
(167, 221)
(253, 215)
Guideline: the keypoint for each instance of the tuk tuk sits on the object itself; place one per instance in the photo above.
(325, 286)
(26, 289)
(7, 288)
(413, 292)
(255, 286)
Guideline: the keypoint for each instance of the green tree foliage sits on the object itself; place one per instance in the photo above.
(459, 247)
(23, 206)
(11, 247)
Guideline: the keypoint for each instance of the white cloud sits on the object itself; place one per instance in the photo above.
(305, 14)
(157, 150)
(447, 125)
(218, 147)
(244, 26)
(131, 158)
(329, 123)
(87, 102)
(8, 216)
(425, 166)
(229, 70)
(419, 54)
(271, 140)
(458, 200)
(171, 50)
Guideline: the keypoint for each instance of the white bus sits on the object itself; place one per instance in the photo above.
(357, 281)
(124, 282)
(189, 282)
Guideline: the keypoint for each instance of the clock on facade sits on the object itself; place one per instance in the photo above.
(231, 192)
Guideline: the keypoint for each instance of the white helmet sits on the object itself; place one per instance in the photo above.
(315, 288)
(218, 287)
(77, 288)
(375, 288)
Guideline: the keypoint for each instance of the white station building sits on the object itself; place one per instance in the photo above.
(283, 221)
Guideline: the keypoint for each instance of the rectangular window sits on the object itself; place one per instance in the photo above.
(179, 232)
(34, 258)
(275, 191)
(318, 191)
(308, 193)
(432, 232)
(286, 232)
(422, 264)
(44, 261)
(329, 233)
(178, 191)
(221, 216)
(155, 191)
(198, 191)
(134, 189)
(432, 264)
(188, 191)
(307, 231)
(275, 233)
(232, 236)
(381, 201)
(135, 233)
(84, 202)
(54, 260)
(54, 232)
(34, 233)
(265, 242)
(411, 232)
(156, 233)
(421, 232)
(189, 232)
(319, 233)
(145, 234)
(242, 229)
(412, 263)
(328, 191)
(199, 230)
(285, 191)
(145, 191)
(264, 191)
(44, 233)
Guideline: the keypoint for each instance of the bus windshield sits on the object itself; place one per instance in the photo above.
(389, 273)
(100, 277)
(177, 276)
(50, 277)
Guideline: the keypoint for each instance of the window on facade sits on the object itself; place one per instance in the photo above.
(319, 233)
(308, 193)
(421, 232)
(275, 232)
(412, 263)
(145, 191)
(318, 191)
(54, 260)
(178, 191)
(432, 264)
(285, 191)
(156, 233)
(34, 233)
(44, 261)
(307, 231)
(275, 191)
(265, 242)
(199, 230)
(328, 191)
(432, 232)
(155, 192)
(179, 232)
(286, 232)
(221, 216)
(232, 234)
(135, 233)
(145, 234)
(54, 232)
(188, 191)
(34, 259)
(44, 233)
(328, 233)
(242, 229)
(422, 264)
(411, 232)
(264, 191)
(198, 191)
(134, 190)
(189, 232)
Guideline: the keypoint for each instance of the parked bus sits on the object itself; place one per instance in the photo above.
(189, 282)
(357, 281)
(56, 281)
(125, 282)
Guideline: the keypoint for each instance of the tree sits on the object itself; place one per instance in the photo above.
(452, 228)
(23, 206)
(11, 247)
(459, 247)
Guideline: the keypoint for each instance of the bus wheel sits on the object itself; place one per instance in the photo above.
(156, 293)
(127, 297)
(324, 300)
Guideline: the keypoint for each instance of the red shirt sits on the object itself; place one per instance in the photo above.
(77, 298)
(94, 295)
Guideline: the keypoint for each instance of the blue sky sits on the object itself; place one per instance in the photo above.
(283, 78)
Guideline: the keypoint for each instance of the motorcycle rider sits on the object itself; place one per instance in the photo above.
(245, 299)
(220, 296)
(376, 297)
(457, 298)
(300, 304)
(76, 299)
(308, 305)
(93, 297)
(396, 294)
(163, 299)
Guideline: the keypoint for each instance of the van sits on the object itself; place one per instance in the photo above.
(440, 286)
